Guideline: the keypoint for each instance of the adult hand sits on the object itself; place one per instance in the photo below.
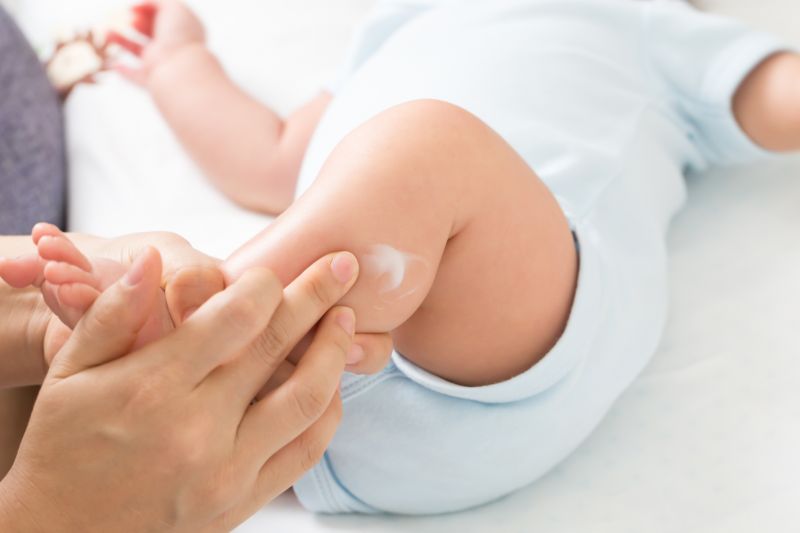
(166, 438)
(190, 278)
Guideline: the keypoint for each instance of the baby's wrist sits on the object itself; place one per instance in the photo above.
(177, 64)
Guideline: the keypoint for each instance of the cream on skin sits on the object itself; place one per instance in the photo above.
(391, 266)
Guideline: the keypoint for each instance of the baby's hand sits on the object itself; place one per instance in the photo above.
(170, 27)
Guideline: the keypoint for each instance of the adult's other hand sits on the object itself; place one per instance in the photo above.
(168, 438)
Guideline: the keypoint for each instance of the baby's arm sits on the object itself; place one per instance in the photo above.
(248, 151)
(767, 104)
(245, 148)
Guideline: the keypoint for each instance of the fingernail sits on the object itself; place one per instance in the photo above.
(347, 321)
(355, 354)
(135, 275)
(344, 267)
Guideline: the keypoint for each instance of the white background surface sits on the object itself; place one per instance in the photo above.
(706, 440)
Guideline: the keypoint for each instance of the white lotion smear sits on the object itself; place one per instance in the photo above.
(384, 261)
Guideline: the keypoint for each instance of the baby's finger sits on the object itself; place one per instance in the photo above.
(128, 44)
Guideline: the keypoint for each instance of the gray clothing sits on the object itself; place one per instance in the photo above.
(32, 162)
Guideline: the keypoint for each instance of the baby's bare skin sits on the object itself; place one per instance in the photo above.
(465, 279)
(70, 282)
(253, 155)
(767, 104)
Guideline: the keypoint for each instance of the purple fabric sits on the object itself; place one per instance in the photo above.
(32, 164)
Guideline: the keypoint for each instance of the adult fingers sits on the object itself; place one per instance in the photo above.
(221, 329)
(369, 353)
(305, 301)
(288, 465)
(191, 287)
(281, 376)
(109, 328)
(286, 412)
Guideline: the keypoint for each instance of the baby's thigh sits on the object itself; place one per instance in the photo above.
(506, 281)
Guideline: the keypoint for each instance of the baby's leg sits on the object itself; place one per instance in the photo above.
(465, 254)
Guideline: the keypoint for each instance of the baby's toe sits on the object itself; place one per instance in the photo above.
(66, 273)
(69, 302)
(76, 299)
(59, 248)
(44, 229)
(24, 271)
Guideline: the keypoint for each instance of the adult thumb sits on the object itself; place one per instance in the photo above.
(191, 287)
(109, 328)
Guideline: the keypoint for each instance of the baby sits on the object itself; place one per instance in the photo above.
(506, 171)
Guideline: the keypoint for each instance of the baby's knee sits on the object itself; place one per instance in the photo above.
(428, 149)
(428, 121)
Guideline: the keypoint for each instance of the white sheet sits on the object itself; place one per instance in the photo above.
(706, 440)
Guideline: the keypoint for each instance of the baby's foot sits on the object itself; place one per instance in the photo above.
(70, 282)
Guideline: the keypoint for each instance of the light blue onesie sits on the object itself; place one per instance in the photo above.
(610, 102)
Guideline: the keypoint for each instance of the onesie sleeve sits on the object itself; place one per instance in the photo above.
(700, 60)
(385, 18)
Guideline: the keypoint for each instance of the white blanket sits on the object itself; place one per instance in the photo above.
(706, 440)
